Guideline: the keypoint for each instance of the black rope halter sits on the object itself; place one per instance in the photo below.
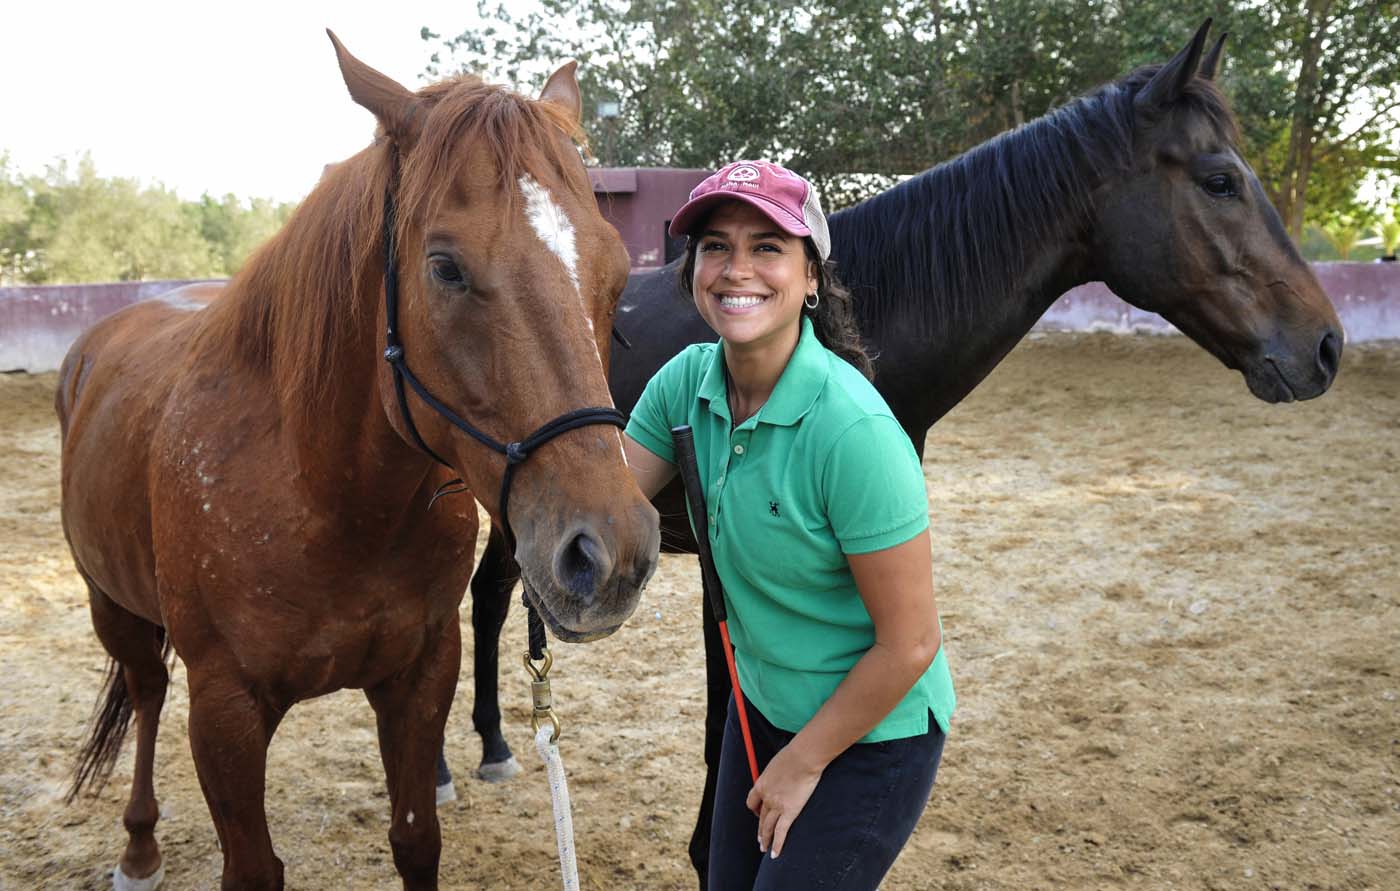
(516, 453)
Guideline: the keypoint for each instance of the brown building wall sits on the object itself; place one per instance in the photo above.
(639, 201)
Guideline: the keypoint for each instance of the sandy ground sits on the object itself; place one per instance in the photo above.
(1172, 614)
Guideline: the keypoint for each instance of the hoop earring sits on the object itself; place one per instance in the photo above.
(815, 299)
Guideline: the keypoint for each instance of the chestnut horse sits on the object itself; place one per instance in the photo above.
(248, 482)
(1140, 184)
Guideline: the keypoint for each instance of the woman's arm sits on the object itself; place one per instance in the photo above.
(896, 586)
(651, 472)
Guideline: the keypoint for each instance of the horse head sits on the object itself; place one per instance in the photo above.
(1187, 232)
(507, 279)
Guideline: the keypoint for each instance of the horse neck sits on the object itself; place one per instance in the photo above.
(325, 369)
(961, 257)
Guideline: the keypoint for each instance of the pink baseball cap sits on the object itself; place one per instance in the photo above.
(784, 197)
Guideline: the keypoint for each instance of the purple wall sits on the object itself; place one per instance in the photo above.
(39, 323)
(1366, 295)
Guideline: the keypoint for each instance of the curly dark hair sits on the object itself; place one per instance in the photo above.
(834, 319)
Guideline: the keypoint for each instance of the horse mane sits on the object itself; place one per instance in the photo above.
(297, 309)
(928, 251)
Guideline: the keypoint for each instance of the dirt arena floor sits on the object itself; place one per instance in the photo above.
(1172, 614)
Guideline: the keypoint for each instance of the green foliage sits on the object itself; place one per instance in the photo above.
(233, 230)
(71, 225)
(1388, 231)
(15, 251)
(1342, 235)
(857, 93)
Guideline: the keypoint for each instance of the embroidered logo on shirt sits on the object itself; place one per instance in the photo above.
(773, 508)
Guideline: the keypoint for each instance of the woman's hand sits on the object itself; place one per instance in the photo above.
(780, 794)
(896, 585)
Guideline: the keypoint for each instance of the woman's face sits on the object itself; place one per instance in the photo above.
(750, 277)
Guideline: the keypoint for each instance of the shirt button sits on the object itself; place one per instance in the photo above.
(738, 450)
(712, 518)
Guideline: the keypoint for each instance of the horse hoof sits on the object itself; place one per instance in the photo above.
(499, 771)
(445, 793)
(123, 882)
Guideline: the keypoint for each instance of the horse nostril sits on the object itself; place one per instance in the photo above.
(579, 564)
(1329, 354)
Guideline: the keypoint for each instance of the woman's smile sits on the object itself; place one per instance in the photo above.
(738, 303)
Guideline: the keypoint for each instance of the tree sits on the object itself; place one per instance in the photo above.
(859, 92)
(87, 228)
(1318, 91)
(1388, 231)
(1342, 235)
(16, 254)
(71, 225)
(232, 230)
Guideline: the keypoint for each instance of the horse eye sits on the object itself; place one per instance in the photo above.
(446, 271)
(1221, 185)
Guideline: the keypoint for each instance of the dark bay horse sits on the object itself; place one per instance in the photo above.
(1140, 184)
(244, 482)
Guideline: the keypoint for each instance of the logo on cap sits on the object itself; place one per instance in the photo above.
(744, 173)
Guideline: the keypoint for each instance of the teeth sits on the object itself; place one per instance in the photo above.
(739, 302)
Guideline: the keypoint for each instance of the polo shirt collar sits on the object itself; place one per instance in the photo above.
(797, 390)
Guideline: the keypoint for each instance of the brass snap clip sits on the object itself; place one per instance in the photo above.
(541, 696)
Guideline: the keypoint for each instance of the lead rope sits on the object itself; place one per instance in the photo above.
(563, 814)
(547, 729)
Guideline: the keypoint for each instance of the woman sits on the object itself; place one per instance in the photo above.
(819, 528)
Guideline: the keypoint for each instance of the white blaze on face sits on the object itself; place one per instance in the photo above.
(553, 227)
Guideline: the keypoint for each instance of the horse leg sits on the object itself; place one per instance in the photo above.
(717, 691)
(492, 585)
(139, 648)
(230, 729)
(445, 790)
(411, 711)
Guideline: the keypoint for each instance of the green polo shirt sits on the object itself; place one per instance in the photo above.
(821, 471)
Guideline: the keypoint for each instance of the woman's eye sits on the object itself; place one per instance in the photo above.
(446, 271)
(1221, 185)
(710, 246)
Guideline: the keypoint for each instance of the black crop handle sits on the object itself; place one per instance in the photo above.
(683, 439)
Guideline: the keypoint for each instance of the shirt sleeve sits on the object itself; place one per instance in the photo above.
(660, 408)
(874, 487)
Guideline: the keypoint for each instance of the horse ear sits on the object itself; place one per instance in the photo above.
(398, 110)
(1210, 65)
(1167, 85)
(562, 90)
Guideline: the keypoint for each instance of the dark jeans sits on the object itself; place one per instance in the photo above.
(854, 825)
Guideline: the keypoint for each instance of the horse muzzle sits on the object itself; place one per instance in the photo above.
(585, 587)
(1288, 372)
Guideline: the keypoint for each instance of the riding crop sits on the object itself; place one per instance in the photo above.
(683, 438)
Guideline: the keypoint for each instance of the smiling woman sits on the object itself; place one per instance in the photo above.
(817, 522)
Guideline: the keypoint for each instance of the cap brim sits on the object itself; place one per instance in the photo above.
(692, 211)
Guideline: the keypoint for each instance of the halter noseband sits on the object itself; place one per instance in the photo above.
(516, 452)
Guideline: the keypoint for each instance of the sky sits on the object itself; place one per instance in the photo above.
(242, 97)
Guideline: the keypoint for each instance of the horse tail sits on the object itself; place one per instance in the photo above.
(70, 375)
(110, 720)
